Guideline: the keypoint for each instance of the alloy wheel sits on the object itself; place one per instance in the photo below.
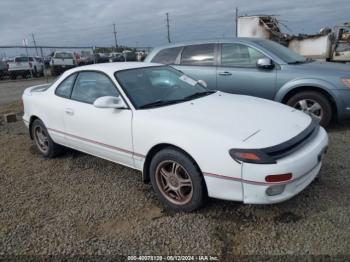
(310, 107)
(174, 182)
(41, 139)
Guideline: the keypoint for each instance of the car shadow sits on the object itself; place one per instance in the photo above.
(338, 127)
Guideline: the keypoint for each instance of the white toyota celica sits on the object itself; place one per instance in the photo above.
(190, 142)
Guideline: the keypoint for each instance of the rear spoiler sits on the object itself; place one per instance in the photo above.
(38, 88)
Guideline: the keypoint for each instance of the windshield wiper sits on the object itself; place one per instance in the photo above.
(161, 103)
(198, 94)
(297, 62)
(169, 102)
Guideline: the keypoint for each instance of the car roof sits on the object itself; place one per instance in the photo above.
(111, 68)
(209, 41)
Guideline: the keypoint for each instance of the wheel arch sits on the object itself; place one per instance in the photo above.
(154, 150)
(31, 120)
(313, 88)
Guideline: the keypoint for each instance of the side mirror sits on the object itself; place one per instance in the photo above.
(265, 63)
(202, 82)
(110, 102)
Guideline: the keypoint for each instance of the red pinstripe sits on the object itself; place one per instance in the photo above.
(97, 143)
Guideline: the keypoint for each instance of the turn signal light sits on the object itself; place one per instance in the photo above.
(346, 81)
(279, 178)
(247, 156)
(254, 156)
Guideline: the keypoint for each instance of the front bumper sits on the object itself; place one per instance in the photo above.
(304, 164)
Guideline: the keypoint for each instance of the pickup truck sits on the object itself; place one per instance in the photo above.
(24, 66)
(61, 61)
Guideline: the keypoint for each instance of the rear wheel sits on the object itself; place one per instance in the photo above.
(176, 180)
(35, 73)
(46, 146)
(13, 76)
(314, 104)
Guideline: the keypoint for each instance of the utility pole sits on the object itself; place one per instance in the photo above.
(168, 27)
(115, 36)
(236, 22)
(36, 50)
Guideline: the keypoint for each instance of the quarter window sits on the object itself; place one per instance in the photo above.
(91, 85)
(65, 88)
(167, 56)
(198, 55)
(239, 55)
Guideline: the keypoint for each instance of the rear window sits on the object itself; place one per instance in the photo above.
(167, 56)
(21, 59)
(64, 55)
(198, 55)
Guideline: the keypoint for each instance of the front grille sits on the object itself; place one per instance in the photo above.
(290, 146)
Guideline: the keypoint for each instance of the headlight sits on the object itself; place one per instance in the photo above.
(254, 156)
(346, 81)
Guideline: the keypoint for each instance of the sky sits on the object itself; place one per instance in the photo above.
(143, 22)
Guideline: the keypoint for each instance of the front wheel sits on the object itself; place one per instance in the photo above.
(314, 104)
(176, 180)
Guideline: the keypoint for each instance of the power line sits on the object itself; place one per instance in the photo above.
(236, 24)
(168, 26)
(115, 36)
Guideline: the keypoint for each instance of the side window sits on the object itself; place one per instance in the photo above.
(65, 88)
(239, 55)
(91, 85)
(167, 56)
(198, 55)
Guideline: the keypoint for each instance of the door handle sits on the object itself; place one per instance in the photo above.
(225, 73)
(69, 111)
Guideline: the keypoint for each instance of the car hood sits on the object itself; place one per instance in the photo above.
(249, 122)
(325, 67)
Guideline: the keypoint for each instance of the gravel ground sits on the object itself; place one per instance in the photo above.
(81, 205)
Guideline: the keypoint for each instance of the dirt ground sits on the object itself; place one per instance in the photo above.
(78, 204)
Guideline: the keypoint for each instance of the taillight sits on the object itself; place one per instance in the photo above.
(279, 178)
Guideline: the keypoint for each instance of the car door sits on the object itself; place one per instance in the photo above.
(199, 62)
(238, 73)
(104, 132)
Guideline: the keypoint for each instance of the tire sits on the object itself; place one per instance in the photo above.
(13, 76)
(52, 149)
(186, 172)
(310, 97)
(53, 72)
(35, 73)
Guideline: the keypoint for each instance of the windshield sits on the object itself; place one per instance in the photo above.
(64, 55)
(21, 59)
(158, 86)
(282, 52)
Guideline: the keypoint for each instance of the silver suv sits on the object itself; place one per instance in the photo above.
(265, 69)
